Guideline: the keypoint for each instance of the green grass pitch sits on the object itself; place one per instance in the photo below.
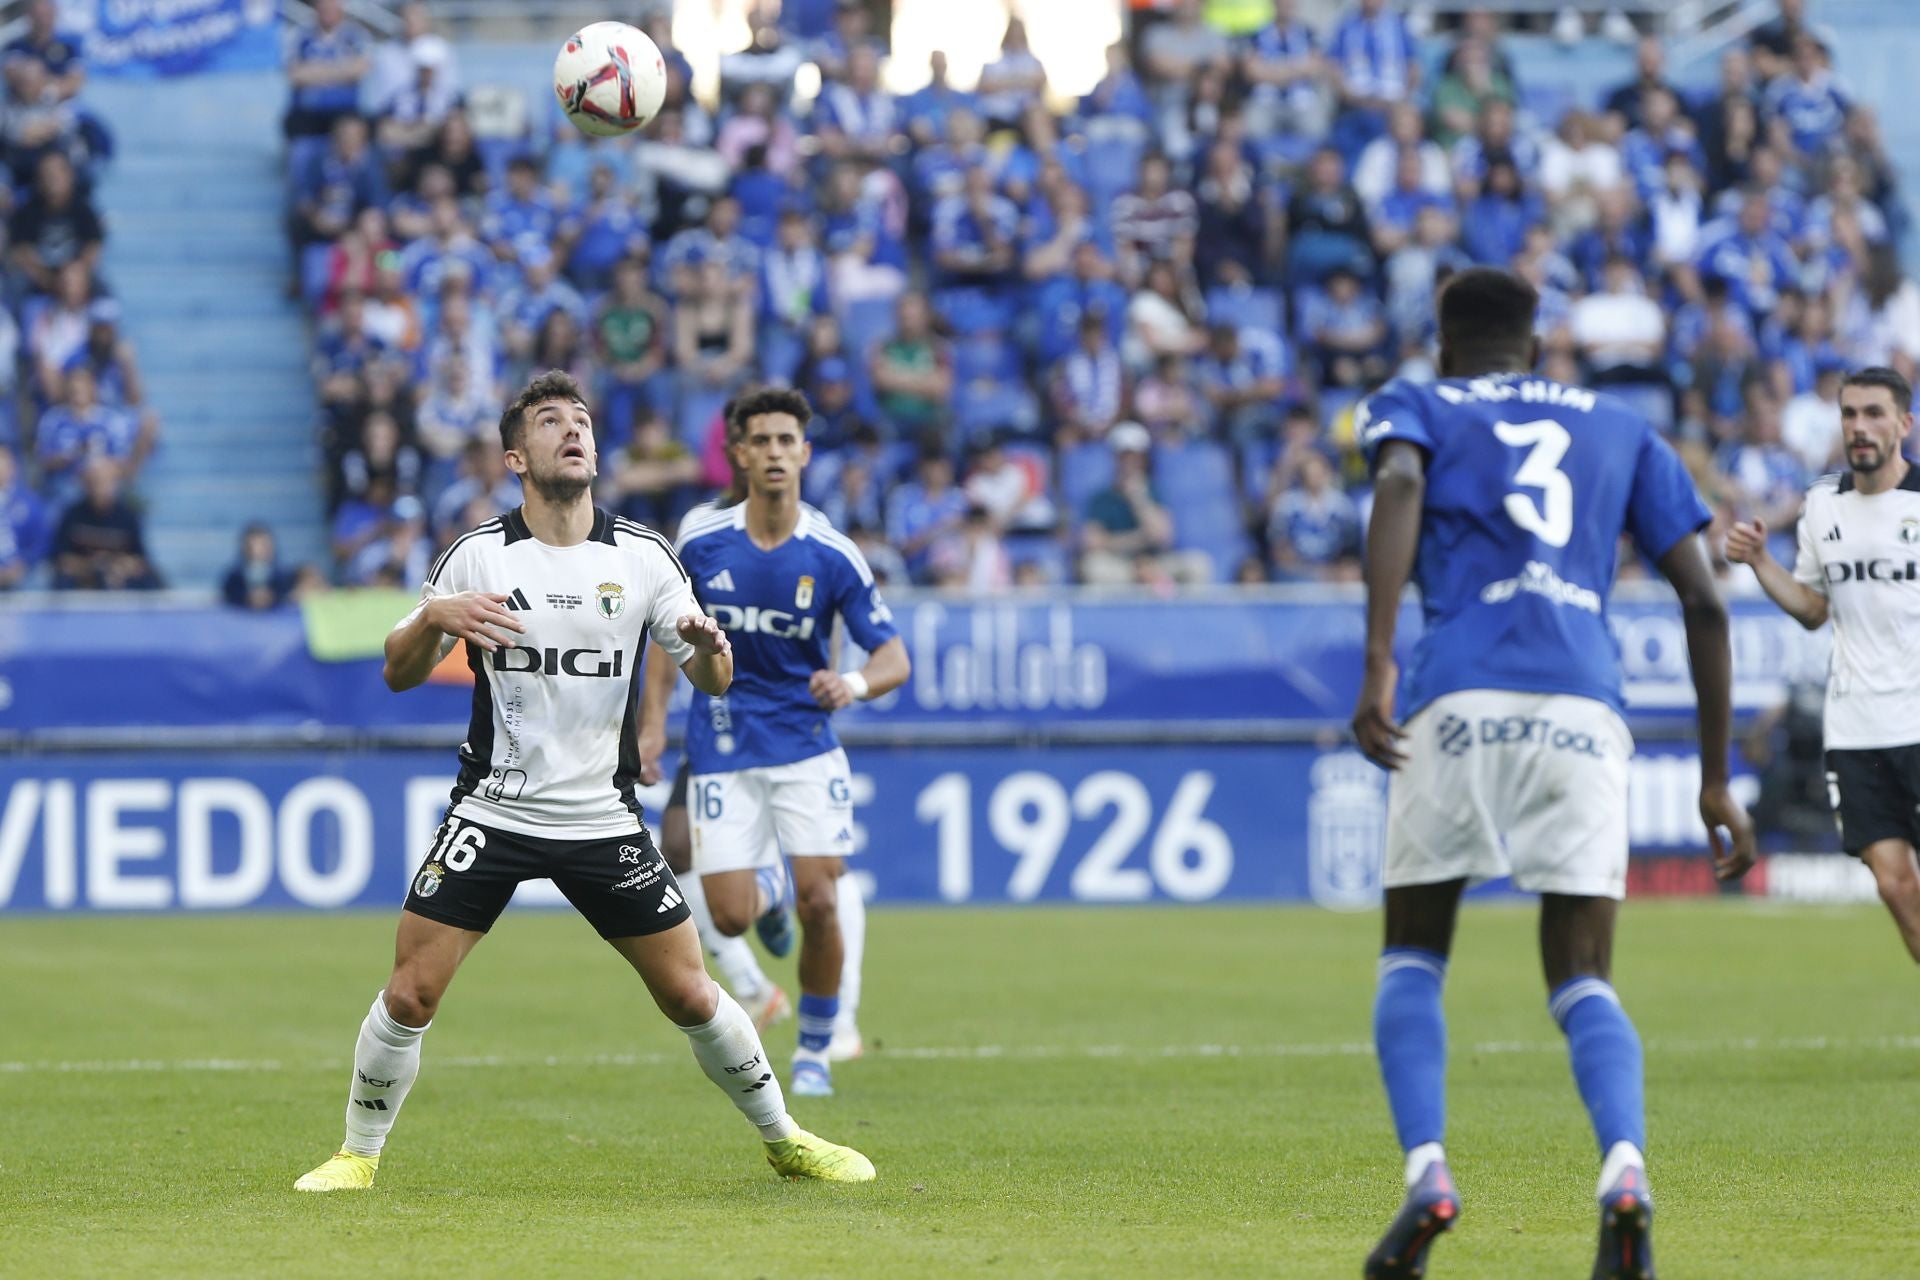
(1170, 1092)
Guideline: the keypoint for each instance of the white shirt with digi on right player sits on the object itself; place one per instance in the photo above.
(1862, 551)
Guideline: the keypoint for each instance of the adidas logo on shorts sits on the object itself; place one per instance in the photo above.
(669, 900)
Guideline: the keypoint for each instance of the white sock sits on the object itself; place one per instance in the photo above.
(731, 956)
(728, 1049)
(385, 1061)
(1418, 1159)
(853, 940)
(1621, 1157)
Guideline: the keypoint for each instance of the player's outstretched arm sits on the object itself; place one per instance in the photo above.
(710, 666)
(1747, 544)
(1710, 654)
(1393, 539)
(413, 646)
(887, 669)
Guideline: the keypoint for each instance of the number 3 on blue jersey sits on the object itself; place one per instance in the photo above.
(1546, 443)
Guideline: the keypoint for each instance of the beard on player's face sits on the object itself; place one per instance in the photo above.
(560, 480)
(1866, 456)
(559, 490)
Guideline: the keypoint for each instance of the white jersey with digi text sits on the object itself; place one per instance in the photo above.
(1862, 551)
(551, 748)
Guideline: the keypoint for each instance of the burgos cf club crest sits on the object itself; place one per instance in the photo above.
(427, 883)
(803, 592)
(1910, 531)
(612, 599)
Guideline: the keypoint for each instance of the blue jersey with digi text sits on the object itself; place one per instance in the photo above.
(1530, 484)
(777, 607)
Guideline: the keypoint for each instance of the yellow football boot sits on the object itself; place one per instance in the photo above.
(349, 1172)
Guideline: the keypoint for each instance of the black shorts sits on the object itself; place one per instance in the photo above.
(1876, 795)
(621, 884)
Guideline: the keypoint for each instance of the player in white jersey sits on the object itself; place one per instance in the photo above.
(1859, 565)
(556, 602)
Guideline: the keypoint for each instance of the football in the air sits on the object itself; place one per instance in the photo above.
(610, 79)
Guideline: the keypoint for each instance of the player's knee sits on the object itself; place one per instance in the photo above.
(729, 916)
(409, 1002)
(690, 1000)
(1899, 886)
(816, 903)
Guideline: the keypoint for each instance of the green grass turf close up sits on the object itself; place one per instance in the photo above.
(1167, 1092)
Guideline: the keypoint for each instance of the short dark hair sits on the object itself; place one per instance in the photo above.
(755, 401)
(1881, 376)
(554, 384)
(1485, 306)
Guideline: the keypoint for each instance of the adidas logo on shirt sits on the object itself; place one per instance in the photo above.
(517, 601)
(721, 581)
(669, 900)
(1833, 535)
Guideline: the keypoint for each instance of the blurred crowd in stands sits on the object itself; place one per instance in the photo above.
(1117, 340)
(74, 426)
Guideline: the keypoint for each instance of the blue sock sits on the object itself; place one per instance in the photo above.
(1410, 1037)
(773, 887)
(1606, 1059)
(816, 1021)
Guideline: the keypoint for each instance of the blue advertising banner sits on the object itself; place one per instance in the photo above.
(1280, 665)
(175, 37)
(1292, 822)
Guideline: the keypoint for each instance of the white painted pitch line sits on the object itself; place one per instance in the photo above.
(959, 1053)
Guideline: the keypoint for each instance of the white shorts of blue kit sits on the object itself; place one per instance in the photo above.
(1499, 783)
(745, 819)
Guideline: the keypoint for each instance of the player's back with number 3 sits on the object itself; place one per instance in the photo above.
(1529, 485)
(1504, 496)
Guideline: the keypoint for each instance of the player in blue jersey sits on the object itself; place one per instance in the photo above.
(731, 958)
(769, 777)
(1504, 496)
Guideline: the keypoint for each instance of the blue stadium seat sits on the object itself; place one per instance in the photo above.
(971, 311)
(983, 408)
(495, 153)
(1246, 309)
(302, 155)
(1043, 549)
(1197, 470)
(1256, 464)
(1113, 166)
(1651, 400)
(1085, 469)
(698, 407)
(990, 358)
(1212, 527)
(864, 323)
(316, 262)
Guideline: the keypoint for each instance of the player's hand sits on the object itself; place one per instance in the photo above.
(830, 691)
(1733, 853)
(480, 617)
(1374, 727)
(653, 745)
(704, 634)
(1747, 541)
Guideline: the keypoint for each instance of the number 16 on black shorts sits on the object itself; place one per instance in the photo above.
(621, 884)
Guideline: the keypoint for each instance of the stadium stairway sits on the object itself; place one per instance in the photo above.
(197, 255)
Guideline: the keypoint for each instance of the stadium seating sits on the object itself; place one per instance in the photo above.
(198, 259)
